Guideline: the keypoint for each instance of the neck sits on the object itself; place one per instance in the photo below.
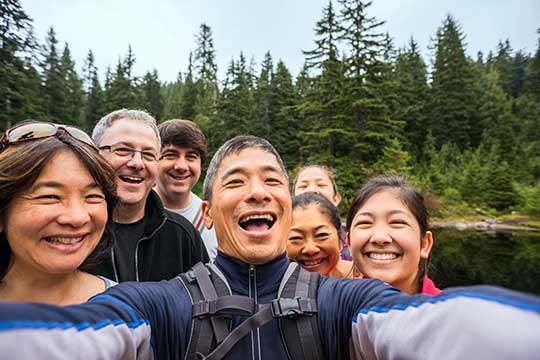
(174, 201)
(129, 213)
(34, 286)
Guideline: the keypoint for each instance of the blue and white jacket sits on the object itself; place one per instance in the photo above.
(366, 317)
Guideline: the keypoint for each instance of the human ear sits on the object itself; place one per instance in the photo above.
(426, 245)
(337, 199)
(208, 221)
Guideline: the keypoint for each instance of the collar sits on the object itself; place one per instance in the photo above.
(268, 276)
(154, 212)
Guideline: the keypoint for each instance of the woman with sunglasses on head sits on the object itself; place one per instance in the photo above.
(56, 199)
(387, 233)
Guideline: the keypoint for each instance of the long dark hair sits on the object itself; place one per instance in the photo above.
(21, 165)
(411, 197)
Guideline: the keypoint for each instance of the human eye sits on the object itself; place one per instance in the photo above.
(234, 182)
(123, 151)
(322, 235)
(272, 181)
(169, 156)
(192, 157)
(95, 197)
(149, 156)
(398, 222)
(295, 238)
(363, 223)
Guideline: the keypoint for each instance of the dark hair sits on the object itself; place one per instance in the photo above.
(234, 146)
(412, 198)
(325, 206)
(183, 133)
(21, 165)
(326, 169)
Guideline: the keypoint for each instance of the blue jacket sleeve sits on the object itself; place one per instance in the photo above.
(480, 322)
(131, 320)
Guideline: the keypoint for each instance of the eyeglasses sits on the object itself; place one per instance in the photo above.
(34, 130)
(125, 151)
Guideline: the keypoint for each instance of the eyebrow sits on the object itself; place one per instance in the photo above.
(302, 231)
(243, 170)
(393, 212)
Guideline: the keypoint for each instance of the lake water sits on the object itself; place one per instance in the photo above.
(468, 257)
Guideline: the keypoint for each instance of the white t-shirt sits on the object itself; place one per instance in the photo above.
(193, 212)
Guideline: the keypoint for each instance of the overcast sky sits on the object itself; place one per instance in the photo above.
(161, 32)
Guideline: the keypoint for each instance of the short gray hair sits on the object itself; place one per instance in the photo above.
(137, 115)
(234, 146)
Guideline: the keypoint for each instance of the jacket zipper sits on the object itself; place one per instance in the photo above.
(255, 339)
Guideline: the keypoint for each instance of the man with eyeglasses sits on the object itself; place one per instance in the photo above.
(151, 243)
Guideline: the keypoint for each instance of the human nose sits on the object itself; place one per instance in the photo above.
(380, 236)
(312, 188)
(136, 160)
(75, 214)
(258, 191)
(181, 164)
(310, 248)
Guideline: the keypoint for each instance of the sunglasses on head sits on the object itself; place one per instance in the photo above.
(33, 130)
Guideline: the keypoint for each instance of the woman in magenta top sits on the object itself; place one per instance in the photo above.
(387, 234)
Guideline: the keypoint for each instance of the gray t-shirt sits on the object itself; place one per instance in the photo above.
(193, 212)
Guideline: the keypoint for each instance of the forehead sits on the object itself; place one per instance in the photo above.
(385, 200)
(313, 174)
(57, 164)
(131, 131)
(176, 148)
(252, 160)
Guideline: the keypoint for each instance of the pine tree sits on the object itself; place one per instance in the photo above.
(518, 67)
(502, 63)
(94, 107)
(121, 89)
(172, 99)
(532, 75)
(189, 97)
(73, 93)
(361, 34)
(153, 100)
(54, 100)
(284, 125)
(206, 73)
(235, 107)
(452, 92)
(264, 111)
(15, 38)
(497, 118)
(411, 75)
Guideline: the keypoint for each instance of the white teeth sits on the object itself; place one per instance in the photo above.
(312, 262)
(386, 256)
(267, 217)
(64, 240)
(132, 178)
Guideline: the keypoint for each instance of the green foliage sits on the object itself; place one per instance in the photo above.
(469, 138)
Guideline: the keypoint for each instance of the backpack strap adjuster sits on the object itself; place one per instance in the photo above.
(291, 307)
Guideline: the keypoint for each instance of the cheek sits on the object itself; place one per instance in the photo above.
(293, 250)
(358, 239)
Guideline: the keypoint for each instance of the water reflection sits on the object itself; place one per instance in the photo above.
(468, 257)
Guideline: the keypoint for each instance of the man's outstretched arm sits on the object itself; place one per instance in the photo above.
(479, 322)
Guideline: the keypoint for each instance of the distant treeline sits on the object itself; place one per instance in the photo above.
(467, 131)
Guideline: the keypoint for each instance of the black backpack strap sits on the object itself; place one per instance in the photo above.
(203, 326)
(300, 334)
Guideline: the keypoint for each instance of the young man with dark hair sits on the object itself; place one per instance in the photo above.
(183, 152)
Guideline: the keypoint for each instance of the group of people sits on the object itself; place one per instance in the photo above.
(78, 215)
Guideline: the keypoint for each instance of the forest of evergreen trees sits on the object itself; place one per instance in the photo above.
(467, 131)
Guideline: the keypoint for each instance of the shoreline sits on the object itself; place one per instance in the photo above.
(486, 225)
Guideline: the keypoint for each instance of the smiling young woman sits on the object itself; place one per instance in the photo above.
(57, 195)
(387, 234)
